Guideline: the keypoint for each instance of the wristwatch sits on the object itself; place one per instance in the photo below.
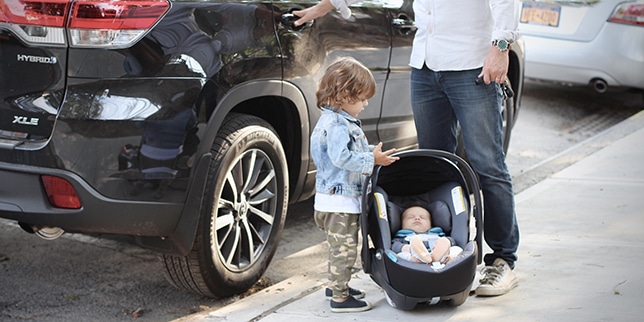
(501, 44)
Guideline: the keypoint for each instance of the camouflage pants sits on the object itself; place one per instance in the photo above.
(342, 235)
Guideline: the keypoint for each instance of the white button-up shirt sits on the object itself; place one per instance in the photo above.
(456, 34)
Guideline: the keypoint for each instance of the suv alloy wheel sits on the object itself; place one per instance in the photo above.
(243, 212)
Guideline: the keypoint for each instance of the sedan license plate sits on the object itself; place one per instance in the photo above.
(540, 14)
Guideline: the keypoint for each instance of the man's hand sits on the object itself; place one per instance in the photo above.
(311, 13)
(495, 67)
(383, 158)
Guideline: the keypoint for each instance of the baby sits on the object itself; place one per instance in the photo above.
(419, 242)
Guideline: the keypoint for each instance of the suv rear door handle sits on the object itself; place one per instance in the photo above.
(404, 24)
(288, 19)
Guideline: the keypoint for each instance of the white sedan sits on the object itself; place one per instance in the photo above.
(596, 42)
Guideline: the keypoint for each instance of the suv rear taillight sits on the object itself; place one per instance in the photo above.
(114, 24)
(60, 192)
(629, 13)
(90, 23)
(36, 22)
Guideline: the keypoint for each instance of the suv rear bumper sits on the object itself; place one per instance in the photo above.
(22, 198)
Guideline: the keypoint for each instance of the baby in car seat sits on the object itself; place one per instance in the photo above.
(419, 242)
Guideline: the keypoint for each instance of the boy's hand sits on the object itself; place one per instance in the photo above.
(383, 158)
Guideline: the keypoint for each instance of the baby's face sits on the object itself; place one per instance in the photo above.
(416, 219)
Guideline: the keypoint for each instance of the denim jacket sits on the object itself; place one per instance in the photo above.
(341, 153)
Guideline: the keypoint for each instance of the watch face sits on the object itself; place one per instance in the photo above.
(502, 44)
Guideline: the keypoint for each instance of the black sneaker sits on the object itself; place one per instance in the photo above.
(351, 304)
(358, 294)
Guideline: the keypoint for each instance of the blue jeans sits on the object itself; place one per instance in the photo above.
(440, 101)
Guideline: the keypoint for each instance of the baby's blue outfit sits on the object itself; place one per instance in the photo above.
(403, 237)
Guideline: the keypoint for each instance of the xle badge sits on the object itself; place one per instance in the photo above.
(24, 120)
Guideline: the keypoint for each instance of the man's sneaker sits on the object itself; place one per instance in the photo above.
(351, 304)
(358, 294)
(498, 279)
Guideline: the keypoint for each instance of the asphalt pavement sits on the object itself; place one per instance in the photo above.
(580, 257)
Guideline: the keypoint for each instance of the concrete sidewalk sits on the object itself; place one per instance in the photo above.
(580, 257)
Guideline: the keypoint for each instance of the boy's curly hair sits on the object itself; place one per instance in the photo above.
(345, 79)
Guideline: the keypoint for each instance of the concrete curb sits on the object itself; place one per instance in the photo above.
(264, 302)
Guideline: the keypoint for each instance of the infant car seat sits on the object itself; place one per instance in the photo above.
(449, 189)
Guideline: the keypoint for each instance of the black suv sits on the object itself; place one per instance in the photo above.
(185, 123)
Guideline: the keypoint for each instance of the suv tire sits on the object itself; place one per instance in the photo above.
(243, 212)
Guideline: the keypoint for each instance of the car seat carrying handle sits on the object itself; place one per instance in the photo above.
(380, 207)
(381, 210)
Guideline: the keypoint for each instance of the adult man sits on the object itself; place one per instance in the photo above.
(456, 43)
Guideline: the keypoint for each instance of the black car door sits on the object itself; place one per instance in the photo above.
(308, 50)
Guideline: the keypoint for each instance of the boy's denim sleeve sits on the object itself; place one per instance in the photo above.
(342, 150)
